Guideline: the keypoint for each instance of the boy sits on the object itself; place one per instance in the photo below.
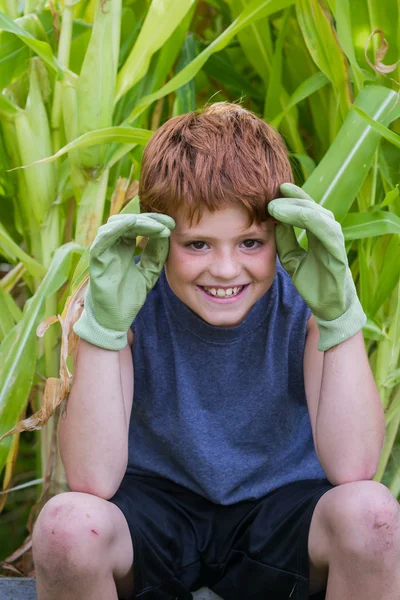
(243, 460)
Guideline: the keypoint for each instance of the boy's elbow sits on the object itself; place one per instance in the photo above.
(353, 473)
(95, 489)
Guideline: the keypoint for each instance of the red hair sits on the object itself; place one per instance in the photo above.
(210, 158)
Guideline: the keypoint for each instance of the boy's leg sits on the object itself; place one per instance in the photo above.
(354, 541)
(82, 548)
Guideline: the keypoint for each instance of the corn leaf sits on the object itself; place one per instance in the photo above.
(11, 307)
(42, 49)
(344, 32)
(252, 12)
(389, 275)
(255, 40)
(365, 278)
(314, 83)
(222, 69)
(7, 321)
(34, 143)
(162, 19)
(95, 88)
(372, 331)
(273, 99)
(362, 225)
(9, 247)
(123, 135)
(18, 349)
(381, 129)
(324, 48)
(15, 54)
(340, 174)
(8, 108)
(185, 100)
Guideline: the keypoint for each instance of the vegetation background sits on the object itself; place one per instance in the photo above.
(86, 82)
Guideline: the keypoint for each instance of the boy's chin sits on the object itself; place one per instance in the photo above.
(222, 320)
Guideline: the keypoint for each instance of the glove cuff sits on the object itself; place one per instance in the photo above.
(87, 328)
(332, 333)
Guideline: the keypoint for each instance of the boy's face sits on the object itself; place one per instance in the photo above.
(221, 252)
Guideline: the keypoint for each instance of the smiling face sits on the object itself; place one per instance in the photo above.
(221, 252)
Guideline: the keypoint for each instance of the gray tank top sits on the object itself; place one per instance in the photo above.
(222, 410)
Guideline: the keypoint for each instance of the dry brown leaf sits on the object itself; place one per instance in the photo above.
(132, 191)
(379, 66)
(44, 325)
(56, 390)
(156, 118)
(10, 464)
(4, 565)
(118, 197)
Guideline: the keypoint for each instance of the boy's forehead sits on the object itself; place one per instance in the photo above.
(228, 221)
(225, 230)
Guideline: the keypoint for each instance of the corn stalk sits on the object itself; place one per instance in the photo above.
(80, 101)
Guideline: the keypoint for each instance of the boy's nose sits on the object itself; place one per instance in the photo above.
(225, 269)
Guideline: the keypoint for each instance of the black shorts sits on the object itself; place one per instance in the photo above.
(252, 550)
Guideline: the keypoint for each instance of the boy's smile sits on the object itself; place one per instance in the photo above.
(220, 267)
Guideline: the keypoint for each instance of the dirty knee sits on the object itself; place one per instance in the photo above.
(366, 523)
(70, 534)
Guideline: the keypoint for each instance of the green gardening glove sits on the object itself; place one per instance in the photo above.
(117, 286)
(321, 274)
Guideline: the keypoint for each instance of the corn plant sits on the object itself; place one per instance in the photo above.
(85, 83)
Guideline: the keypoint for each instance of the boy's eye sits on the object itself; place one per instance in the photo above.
(252, 242)
(198, 245)
(194, 244)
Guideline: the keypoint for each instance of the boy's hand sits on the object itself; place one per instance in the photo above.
(117, 286)
(321, 274)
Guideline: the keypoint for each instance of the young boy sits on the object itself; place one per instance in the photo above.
(228, 438)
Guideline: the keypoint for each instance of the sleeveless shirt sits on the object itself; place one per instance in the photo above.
(222, 410)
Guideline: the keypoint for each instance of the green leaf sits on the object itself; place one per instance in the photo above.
(14, 53)
(185, 100)
(222, 69)
(363, 225)
(42, 49)
(389, 275)
(381, 129)
(372, 331)
(273, 99)
(123, 135)
(340, 174)
(18, 349)
(162, 19)
(254, 11)
(95, 88)
(8, 246)
(306, 162)
(8, 108)
(34, 143)
(390, 197)
(322, 43)
(344, 32)
(255, 40)
(308, 87)
(6, 317)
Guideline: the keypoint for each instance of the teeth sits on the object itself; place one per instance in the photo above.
(224, 293)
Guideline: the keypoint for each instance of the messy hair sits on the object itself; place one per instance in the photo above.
(210, 158)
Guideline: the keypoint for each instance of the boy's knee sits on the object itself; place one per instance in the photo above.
(71, 533)
(366, 519)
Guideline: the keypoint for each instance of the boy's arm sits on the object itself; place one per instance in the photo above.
(93, 431)
(345, 409)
